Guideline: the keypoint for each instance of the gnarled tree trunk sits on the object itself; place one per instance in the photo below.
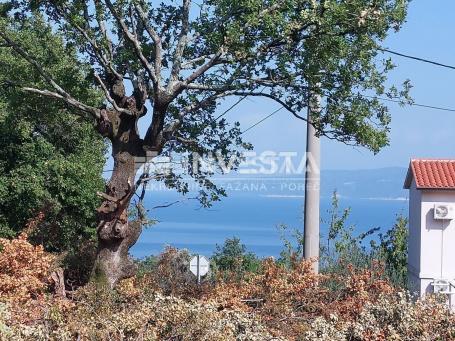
(116, 235)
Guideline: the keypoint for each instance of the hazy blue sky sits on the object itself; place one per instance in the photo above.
(416, 132)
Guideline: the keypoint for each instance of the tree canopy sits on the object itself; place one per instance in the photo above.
(191, 56)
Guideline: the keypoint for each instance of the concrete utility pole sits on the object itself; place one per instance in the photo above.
(312, 186)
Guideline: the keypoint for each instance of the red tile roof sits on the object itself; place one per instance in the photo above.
(431, 174)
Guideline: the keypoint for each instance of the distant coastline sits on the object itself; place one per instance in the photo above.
(375, 198)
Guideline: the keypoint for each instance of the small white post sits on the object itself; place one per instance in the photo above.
(199, 266)
(198, 270)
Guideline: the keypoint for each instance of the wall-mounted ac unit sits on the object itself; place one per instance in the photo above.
(440, 286)
(444, 212)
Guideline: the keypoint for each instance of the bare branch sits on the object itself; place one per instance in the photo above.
(156, 39)
(108, 96)
(186, 141)
(167, 204)
(137, 46)
(211, 87)
(32, 61)
(102, 26)
(177, 60)
(132, 20)
(97, 50)
(190, 63)
(69, 100)
(199, 72)
(276, 99)
(247, 83)
(202, 104)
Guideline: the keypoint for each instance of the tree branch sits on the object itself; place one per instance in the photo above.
(216, 57)
(173, 126)
(60, 92)
(156, 39)
(97, 50)
(69, 100)
(177, 60)
(211, 87)
(199, 72)
(137, 46)
(108, 96)
(263, 94)
(102, 26)
(202, 104)
(189, 63)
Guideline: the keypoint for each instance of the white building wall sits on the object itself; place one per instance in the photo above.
(437, 239)
(414, 238)
(431, 243)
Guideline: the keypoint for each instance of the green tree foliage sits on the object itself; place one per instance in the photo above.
(199, 56)
(342, 244)
(293, 243)
(393, 248)
(232, 259)
(50, 162)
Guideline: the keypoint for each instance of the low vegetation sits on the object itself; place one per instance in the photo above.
(243, 298)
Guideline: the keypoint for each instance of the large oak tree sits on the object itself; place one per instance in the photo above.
(174, 63)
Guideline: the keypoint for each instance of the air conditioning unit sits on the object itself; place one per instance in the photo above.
(440, 286)
(444, 212)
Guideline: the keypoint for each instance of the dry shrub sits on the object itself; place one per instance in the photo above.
(359, 287)
(276, 286)
(33, 223)
(24, 269)
(275, 304)
(128, 314)
(360, 305)
(392, 317)
(397, 317)
(171, 275)
(282, 297)
(288, 300)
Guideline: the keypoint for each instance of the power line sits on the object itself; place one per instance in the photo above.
(375, 97)
(380, 98)
(412, 104)
(418, 59)
(230, 108)
(262, 120)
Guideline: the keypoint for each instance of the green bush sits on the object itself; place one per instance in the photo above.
(292, 246)
(231, 260)
(146, 265)
(341, 245)
(393, 250)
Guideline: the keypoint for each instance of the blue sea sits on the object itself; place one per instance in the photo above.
(251, 216)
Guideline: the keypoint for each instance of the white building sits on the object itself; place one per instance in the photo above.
(431, 243)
